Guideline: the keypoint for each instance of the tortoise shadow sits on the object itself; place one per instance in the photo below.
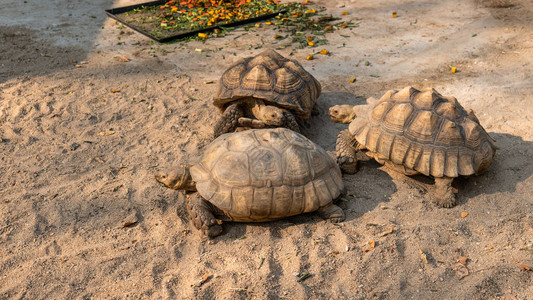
(366, 189)
(511, 165)
(370, 186)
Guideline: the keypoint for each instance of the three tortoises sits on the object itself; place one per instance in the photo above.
(412, 132)
(258, 175)
(266, 174)
(267, 90)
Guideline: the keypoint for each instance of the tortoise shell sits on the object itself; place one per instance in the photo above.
(266, 174)
(425, 132)
(272, 78)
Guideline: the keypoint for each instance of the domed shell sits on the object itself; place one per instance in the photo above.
(272, 78)
(266, 174)
(426, 132)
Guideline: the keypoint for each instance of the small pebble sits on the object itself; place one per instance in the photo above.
(74, 146)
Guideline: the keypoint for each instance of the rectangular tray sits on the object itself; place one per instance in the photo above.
(115, 14)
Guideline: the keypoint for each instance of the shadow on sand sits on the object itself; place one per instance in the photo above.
(53, 42)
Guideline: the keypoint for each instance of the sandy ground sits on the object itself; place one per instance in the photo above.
(66, 191)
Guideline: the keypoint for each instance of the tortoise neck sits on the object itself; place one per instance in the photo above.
(351, 116)
(187, 183)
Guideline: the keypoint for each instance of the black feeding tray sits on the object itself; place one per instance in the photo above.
(120, 14)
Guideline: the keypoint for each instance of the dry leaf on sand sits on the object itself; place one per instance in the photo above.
(423, 256)
(368, 246)
(205, 278)
(129, 223)
(131, 219)
(524, 267)
(460, 270)
(385, 233)
(121, 58)
(106, 133)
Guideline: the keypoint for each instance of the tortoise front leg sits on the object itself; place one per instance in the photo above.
(332, 212)
(252, 123)
(229, 120)
(290, 122)
(345, 148)
(202, 215)
(444, 195)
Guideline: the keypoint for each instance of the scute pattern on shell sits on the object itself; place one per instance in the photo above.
(266, 174)
(426, 132)
(270, 77)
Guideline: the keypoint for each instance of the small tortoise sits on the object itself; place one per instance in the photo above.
(267, 90)
(413, 132)
(258, 175)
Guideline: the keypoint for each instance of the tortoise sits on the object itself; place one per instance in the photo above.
(267, 90)
(413, 132)
(255, 176)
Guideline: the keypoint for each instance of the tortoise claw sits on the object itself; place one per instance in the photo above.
(444, 192)
(332, 212)
(347, 164)
(212, 231)
(447, 202)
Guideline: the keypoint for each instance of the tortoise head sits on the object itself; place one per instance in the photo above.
(177, 178)
(272, 115)
(342, 113)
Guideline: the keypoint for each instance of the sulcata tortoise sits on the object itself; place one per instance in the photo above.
(258, 175)
(413, 132)
(267, 90)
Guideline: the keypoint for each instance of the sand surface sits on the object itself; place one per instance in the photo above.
(66, 191)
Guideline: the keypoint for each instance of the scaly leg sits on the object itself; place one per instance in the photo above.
(290, 122)
(201, 213)
(252, 123)
(229, 120)
(332, 212)
(444, 195)
(345, 148)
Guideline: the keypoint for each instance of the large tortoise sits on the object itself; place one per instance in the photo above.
(412, 132)
(258, 175)
(267, 90)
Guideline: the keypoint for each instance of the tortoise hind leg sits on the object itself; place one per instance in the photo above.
(444, 195)
(229, 120)
(332, 212)
(201, 213)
